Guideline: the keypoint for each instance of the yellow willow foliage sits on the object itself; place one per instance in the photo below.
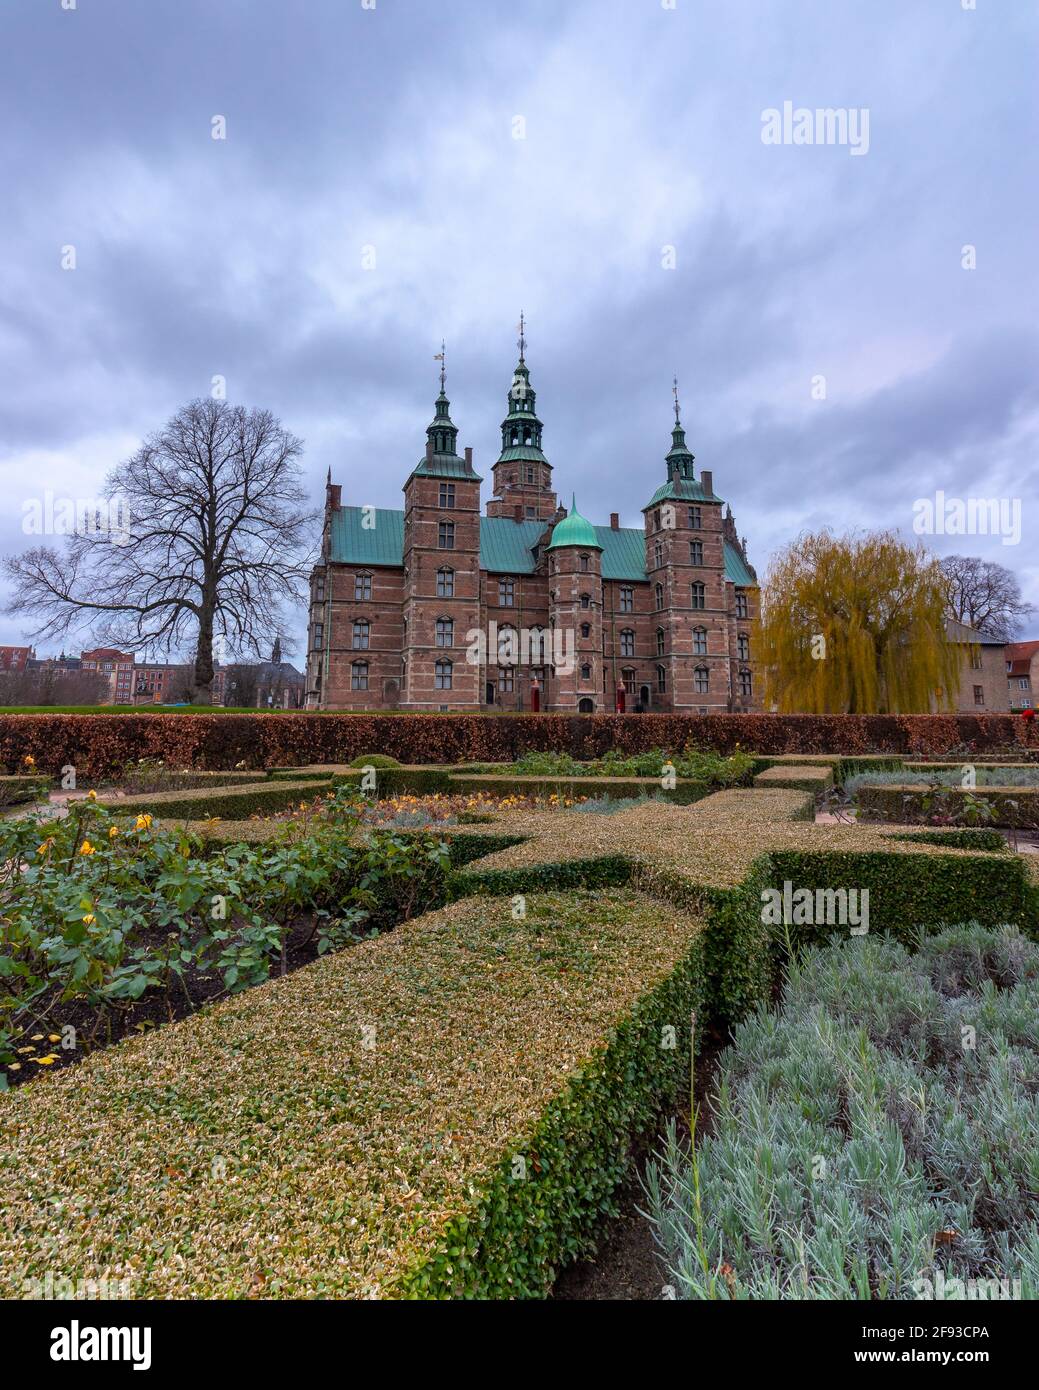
(856, 625)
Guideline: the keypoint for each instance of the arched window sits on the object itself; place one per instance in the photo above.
(359, 675)
(584, 564)
(658, 555)
(586, 672)
(746, 684)
(660, 641)
(699, 641)
(445, 632)
(586, 600)
(661, 680)
(586, 629)
(627, 642)
(362, 634)
(515, 436)
(586, 706)
(743, 647)
(701, 680)
(698, 595)
(442, 674)
(659, 591)
(445, 582)
(362, 587)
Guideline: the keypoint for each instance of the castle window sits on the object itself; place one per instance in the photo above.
(699, 641)
(695, 519)
(445, 632)
(508, 645)
(656, 519)
(445, 583)
(532, 512)
(660, 641)
(698, 595)
(506, 593)
(746, 684)
(586, 600)
(741, 604)
(661, 680)
(659, 596)
(362, 586)
(515, 440)
(627, 642)
(696, 552)
(359, 675)
(584, 564)
(586, 629)
(627, 599)
(526, 440)
(628, 677)
(586, 672)
(442, 675)
(447, 494)
(701, 680)
(658, 555)
(319, 632)
(530, 471)
(362, 632)
(446, 535)
(506, 681)
(537, 644)
(743, 647)
(319, 589)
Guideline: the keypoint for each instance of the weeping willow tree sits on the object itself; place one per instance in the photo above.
(856, 625)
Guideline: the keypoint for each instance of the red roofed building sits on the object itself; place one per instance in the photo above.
(1022, 673)
(15, 658)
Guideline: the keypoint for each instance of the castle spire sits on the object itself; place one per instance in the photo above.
(441, 456)
(679, 457)
(521, 428)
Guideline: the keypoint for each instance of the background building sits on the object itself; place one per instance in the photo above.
(1022, 666)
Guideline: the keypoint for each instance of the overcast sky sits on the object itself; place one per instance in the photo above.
(544, 157)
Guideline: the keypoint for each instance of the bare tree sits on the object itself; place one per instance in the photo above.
(985, 596)
(214, 542)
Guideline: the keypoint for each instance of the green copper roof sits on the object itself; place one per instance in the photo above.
(506, 546)
(522, 453)
(681, 490)
(736, 568)
(446, 466)
(574, 529)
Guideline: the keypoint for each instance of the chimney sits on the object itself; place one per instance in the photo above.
(335, 495)
(707, 481)
(468, 456)
(429, 449)
(615, 521)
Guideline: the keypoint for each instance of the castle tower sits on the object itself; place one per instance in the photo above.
(441, 571)
(522, 476)
(685, 565)
(575, 615)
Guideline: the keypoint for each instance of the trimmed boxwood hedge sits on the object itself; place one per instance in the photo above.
(445, 1111)
(804, 778)
(228, 803)
(14, 790)
(1013, 806)
(958, 839)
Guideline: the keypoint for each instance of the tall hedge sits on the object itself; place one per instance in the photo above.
(99, 744)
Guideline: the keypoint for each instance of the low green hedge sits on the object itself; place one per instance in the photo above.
(958, 839)
(228, 803)
(797, 778)
(451, 1120)
(907, 892)
(684, 792)
(1015, 807)
(15, 790)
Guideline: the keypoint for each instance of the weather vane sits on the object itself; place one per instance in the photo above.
(522, 344)
(441, 357)
(674, 392)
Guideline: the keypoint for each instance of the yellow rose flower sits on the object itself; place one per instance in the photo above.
(89, 919)
(143, 822)
(87, 848)
(91, 796)
(113, 831)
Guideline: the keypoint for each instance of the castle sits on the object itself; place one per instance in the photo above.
(531, 606)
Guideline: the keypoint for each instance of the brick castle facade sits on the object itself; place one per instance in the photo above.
(442, 607)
